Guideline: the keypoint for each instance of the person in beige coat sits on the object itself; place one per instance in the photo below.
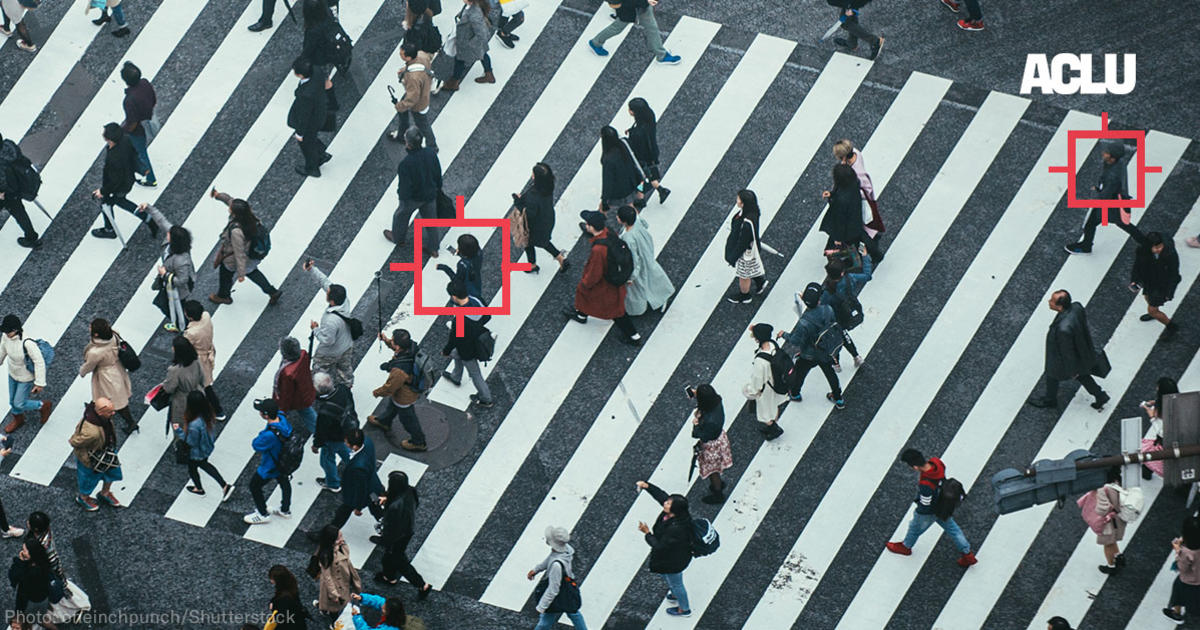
(232, 259)
(337, 577)
(417, 85)
(199, 331)
(184, 376)
(109, 378)
(1108, 502)
(766, 399)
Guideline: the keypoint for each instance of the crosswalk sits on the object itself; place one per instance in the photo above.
(973, 249)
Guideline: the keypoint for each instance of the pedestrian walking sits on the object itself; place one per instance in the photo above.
(269, 444)
(265, 22)
(596, 295)
(336, 576)
(293, 391)
(307, 117)
(11, 189)
(184, 376)
(848, 11)
(513, 16)
(742, 249)
(110, 379)
(1105, 519)
(399, 523)
(1153, 408)
(1113, 185)
(177, 274)
(14, 14)
(118, 16)
(1070, 352)
(493, 15)
(120, 168)
(973, 22)
(391, 613)
(764, 389)
(96, 463)
(932, 473)
(817, 339)
(320, 47)
(628, 12)
(843, 221)
(472, 30)
(1156, 274)
(619, 174)
(417, 83)
(466, 351)
(643, 141)
(419, 180)
(712, 451)
(840, 291)
(845, 153)
(335, 408)
(7, 530)
(670, 543)
(196, 432)
(199, 331)
(139, 109)
(649, 288)
(26, 373)
(286, 611)
(244, 243)
(335, 342)
(33, 584)
(557, 568)
(538, 203)
(1185, 590)
(469, 269)
(359, 481)
(400, 391)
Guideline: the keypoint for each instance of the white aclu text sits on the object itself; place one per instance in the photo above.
(1051, 77)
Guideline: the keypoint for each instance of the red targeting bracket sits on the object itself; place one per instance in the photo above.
(1104, 133)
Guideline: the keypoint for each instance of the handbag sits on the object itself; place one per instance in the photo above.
(103, 460)
(518, 229)
(271, 623)
(127, 356)
(1101, 367)
(183, 452)
(450, 44)
(158, 398)
(74, 603)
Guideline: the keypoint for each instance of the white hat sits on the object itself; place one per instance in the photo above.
(557, 537)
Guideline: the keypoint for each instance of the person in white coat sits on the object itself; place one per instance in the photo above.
(759, 389)
(26, 373)
(650, 287)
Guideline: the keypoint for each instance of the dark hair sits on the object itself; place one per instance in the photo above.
(101, 329)
(834, 270)
(468, 246)
(1058, 623)
(315, 12)
(398, 487)
(198, 407)
(627, 214)
(302, 66)
(707, 398)
(39, 523)
(130, 74)
(285, 582)
(409, 50)
(610, 142)
(244, 217)
(642, 114)
(543, 179)
(185, 352)
(913, 457)
(1166, 385)
(844, 176)
(679, 506)
(1113, 475)
(328, 538)
(193, 310)
(113, 132)
(181, 240)
(393, 613)
(1064, 298)
(749, 205)
(483, 6)
(337, 294)
(355, 437)
(1154, 238)
(457, 289)
(402, 338)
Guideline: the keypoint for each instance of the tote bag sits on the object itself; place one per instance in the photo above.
(74, 603)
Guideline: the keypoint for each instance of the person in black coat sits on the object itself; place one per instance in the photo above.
(399, 524)
(469, 269)
(712, 451)
(464, 350)
(848, 13)
(285, 606)
(1070, 352)
(120, 165)
(10, 193)
(619, 175)
(1155, 273)
(317, 46)
(643, 140)
(1112, 185)
(419, 180)
(30, 576)
(359, 480)
(307, 116)
(538, 203)
(670, 543)
(843, 221)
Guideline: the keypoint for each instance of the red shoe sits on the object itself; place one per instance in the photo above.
(951, 4)
(971, 25)
(966, 560)
(898, 548)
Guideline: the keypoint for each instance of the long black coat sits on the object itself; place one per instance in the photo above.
(618, 174)
(670, 539)
(120, 163)
(1069, 348)
(359, 480)
(539, 212)
(843, 221)
(1159, 275)
(307, 114)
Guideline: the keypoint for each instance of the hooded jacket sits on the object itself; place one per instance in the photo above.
(670, 539)
(555, 565)
(928, 484)
(269, 446)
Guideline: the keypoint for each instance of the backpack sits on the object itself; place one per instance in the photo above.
(485, 345)
(950, 495)
(705, 539)
(568, 599)
(46, 349)
(848, 311)
(422, 372)
(425, 36)
(340, 48)
(291, 452)
(618, 266)
(1132, 504)
(355, 324)
(260, 245)
(25, 176)
(781, 367)
(328, 408)
(518, 228)
(829, 342)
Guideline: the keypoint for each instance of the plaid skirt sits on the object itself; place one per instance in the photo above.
(715, 456)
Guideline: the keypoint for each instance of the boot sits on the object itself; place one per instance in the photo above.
(45, 411)
(450, 86)
(487, 77)
(18, 421)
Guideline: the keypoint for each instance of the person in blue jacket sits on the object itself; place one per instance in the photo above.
(392, 609)
(269, 445)
(198, 418)
(359, 481)
(469, 270)
(842, 284)
(815, 319)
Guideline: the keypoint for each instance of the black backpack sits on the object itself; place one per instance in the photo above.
(344, 417)
(618, 266)
(424, 35)
(848, 311)
(949, 496)
(485, 345)
(291, 452)
(355, 324)
(260, 245)
(568, 599)
(781, 369)
(829, 342)
(705, 539)
(25, 177)
(340, 48)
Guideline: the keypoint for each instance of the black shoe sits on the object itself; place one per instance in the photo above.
(325, 157)
(663, 193)
(260, 25)
(738, 297)
(1120, 560)
(844, 43)
(566, 264)
(1107, 570)
(533, 269)
(376, 540)
(1174, 616)
(102, 20)
(316, 172)
(514, 36)
(1147, 474)
(773, 431)
(1145, 317)
(1042, 403)
(875, 50)
(1170, 330)
(33, 243)
(486, 405)
(1100, 401)
(506, 40)
(104, 233)
(635, 340)
(450, 377)
(423, 594)
(576, 315)
(382, 579)
(1078, 248)
(121, 32)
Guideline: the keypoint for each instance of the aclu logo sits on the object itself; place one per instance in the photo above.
(1072, 74)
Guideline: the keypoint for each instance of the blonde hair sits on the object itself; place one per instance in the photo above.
(843, 149)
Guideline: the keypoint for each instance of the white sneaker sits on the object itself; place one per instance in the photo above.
(858, 361)
(436, 87)
(281, 513)
(226, 493)
(254, 518)
(13, 532)
(5, 31)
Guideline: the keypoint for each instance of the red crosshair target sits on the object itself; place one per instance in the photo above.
(1104, 133)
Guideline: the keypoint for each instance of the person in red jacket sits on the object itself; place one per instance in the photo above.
(594, 295)
(932, 473)
(293, 390)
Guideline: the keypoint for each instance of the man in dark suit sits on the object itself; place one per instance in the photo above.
(359, 480)
(307, 116)
(1070, 352)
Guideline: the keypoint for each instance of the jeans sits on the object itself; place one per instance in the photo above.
(1094, 218)
(472, 365)
(343, 512)
(395, 560)
(921, 522)
(1086, 380)
(431, 237)
(16, 209)
(340, 367)
(18, 397)
(645, 19)
(547, 620)
(461, 67)
(389, 410)
(260, 500)
(508, 24)
(196, 465)
(675, 584)
(225, 281)
(420, 120)
(139, 145)
(855, 30)
(118, 13)
(307, 416)
(974, 13)
(329, 463)
(803, 366)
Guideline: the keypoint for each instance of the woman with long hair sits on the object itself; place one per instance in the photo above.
(337, 577)
(399, 520)
(196, 432)
(233, 256)
(33, 582)
(285, 607)
(319, 31)
(473, 28)
(713, 454)
(184, 376)
(109, 378)
(742, 248)
(177, 273)
(469, 270)
(538, 203)
(643, 140)
(1185, 591)
(619, 174)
